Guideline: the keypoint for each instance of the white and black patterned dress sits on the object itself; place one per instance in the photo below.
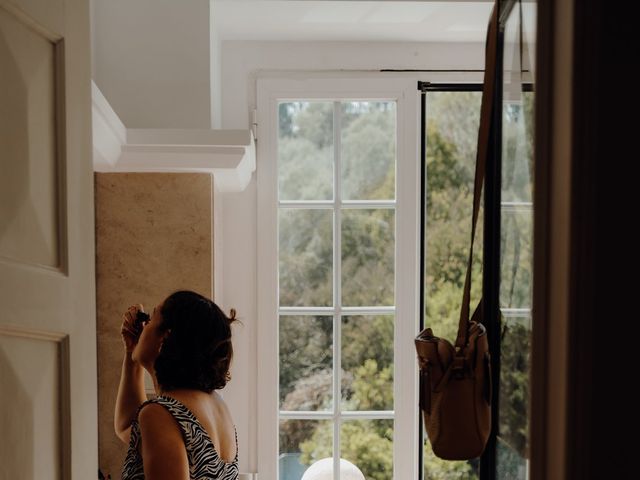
(204, 461)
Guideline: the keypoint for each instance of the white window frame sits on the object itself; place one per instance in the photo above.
(404, 91)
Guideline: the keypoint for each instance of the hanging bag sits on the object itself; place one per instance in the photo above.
(455, 380)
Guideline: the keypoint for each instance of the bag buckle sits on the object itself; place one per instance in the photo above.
(459, 367)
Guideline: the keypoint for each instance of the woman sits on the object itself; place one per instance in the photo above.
(187, 432)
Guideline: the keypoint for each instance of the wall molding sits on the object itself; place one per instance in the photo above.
(32, 333)
(229, 155)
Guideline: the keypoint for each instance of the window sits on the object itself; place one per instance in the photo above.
(452, 117)
(338, 274)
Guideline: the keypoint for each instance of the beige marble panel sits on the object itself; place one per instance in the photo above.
(153, 236)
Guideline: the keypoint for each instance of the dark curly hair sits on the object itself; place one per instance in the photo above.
(197, 351)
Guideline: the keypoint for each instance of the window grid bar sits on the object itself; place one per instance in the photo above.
(346, 204)
(515, 312)
(308, 204)
(516, 206)
(337, 287)
(368, 204)
(306, 310)
(319, 311)
(328, 415)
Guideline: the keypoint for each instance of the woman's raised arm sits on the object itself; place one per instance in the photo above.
(131, 388)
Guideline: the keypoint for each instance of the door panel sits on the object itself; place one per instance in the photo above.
(48, 404)
(32, 369)
(29, 227)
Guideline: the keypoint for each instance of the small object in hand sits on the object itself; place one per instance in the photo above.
(141, 318)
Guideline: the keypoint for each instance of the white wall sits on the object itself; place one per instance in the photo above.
(215, 61)
(242, 64)
(151, 60)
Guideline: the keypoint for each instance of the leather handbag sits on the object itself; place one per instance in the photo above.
(455, 380)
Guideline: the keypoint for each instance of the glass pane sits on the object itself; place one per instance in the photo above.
(437, 469)
(306, 361)
(368, 254)
(516, 257)
(305, 150)
(306, 257)
(514, 382)
(367, 362)
(510, 465)
(517, 148)
(516, 250)
(451, 139)
(303, 443)
(367, 445)
(368, 152)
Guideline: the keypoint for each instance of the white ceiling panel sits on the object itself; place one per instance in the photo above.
(367, 21)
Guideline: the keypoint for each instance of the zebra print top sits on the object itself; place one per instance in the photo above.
(204, 461)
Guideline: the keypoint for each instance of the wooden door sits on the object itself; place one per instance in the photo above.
(48, 394)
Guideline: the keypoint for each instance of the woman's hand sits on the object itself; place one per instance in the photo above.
(131, 330)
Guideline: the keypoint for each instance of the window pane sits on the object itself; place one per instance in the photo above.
(509, 464)
(517, 149)
(306, 361)
(438, 469)
(306, 257)
(368, 244)
(516, 253)
(516, 257)
(303, 442)
(368, 153)
(305, 150)
(514, 383)
(451, 136)
(368, 444)
(367, 362)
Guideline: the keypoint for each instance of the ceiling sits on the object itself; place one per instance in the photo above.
(352, 21)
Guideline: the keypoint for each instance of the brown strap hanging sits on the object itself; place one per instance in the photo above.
(484, 132)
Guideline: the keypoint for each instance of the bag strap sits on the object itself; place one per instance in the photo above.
(486, 111)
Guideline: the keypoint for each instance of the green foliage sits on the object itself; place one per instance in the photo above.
(368, 257)
(304, 170)
(369, 445)
(366, 443)
(516, 260)
(306, 256)
(448, 232)
(437, 469)
(371, 387)
(305, 349)
(315, 123)
(366, 338)
(368, 154)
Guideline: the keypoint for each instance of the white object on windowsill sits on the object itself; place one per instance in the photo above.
(323, 470)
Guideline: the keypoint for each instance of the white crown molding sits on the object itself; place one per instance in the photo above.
(229, 155)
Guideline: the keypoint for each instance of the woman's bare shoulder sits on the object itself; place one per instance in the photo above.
(153, 415)
(163, 452)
